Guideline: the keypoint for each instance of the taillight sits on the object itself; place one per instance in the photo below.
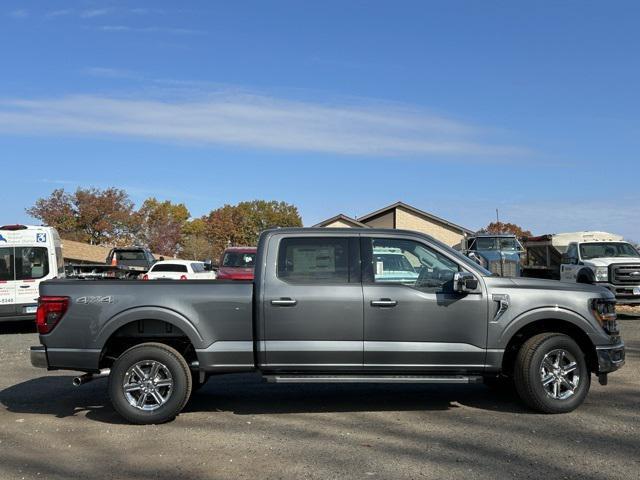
(50, 311)
(183, 277)
(145, 277)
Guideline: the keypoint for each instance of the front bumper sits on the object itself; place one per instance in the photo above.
(610, 358)
(624, 293)
(39, 356)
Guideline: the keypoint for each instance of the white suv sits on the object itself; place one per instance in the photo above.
(179, 270)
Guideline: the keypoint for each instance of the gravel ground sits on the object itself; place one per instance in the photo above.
(238, 427)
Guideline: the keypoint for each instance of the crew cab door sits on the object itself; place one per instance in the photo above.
(312, 304)
(413, 320)
(569, 267)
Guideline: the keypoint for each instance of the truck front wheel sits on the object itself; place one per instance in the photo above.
(150, 383)
(551, 373)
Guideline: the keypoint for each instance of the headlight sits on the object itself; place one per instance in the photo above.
(605, 312)
(602, 274)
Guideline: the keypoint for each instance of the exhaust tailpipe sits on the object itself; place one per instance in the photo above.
(87, 377)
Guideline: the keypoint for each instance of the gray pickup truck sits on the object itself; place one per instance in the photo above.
(332, 305)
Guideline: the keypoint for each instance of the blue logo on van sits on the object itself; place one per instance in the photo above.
(2, 239)
(41, 237)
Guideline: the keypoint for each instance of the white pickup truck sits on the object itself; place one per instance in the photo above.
(598, 258)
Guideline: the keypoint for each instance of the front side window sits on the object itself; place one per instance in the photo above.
(6, 264)
(407, 262)
(314, 260)
(170, 267)
(32, 263)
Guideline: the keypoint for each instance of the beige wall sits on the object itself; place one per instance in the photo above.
(339, 224)
(410, 221)
(384, 221)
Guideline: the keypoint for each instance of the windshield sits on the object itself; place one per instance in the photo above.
(239, 259)
(393, 262)
(607, 249)
(508, 244)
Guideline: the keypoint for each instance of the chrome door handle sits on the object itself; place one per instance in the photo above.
(284, 302)
(384, 302)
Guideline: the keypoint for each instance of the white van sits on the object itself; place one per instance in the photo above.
(28, 255)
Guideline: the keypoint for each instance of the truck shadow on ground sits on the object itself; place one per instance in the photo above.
(248, 395)
(10, 328)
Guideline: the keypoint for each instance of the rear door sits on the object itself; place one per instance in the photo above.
(7, 283)
(413, 320)
(312, 304)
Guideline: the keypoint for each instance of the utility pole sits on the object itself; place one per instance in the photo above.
(497, 216)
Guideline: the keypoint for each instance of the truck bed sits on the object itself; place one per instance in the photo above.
(215, 315)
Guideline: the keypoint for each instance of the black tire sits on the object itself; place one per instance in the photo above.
(528, 373)
(175, 396)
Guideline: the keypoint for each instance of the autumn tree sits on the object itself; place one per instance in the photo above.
(160, 224)
(195, 243)
(89, 215)
(241, 224)
(500, 227)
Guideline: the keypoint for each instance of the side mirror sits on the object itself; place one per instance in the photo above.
(208, 265)
(464, 282)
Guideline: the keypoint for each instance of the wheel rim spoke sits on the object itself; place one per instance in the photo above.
(148, 385)
(559, 374)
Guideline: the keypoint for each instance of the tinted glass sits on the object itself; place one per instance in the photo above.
(239, 259)
(6, 264)
(319, 260)
(32, 263)
(170, 267)
(413, 264)
(132, 255)
(197, 267)
(608, 249)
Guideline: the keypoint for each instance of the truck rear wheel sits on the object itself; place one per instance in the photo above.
(551, 373)
(150, 384)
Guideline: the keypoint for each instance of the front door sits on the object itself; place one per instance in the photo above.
(413, 320)
(312, 304)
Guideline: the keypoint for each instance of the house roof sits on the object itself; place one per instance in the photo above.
(84, 252)
(341, 217)
(417, 211)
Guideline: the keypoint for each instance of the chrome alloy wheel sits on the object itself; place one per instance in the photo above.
(148, 385)
(559, 374)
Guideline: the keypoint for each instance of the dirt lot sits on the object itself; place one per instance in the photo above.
(238, 427)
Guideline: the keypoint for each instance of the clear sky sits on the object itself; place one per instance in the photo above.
(455, 107)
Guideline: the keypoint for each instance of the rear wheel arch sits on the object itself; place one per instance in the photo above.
(136, 332)
(549, 325)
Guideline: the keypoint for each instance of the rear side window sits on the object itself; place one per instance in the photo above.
(197, 267)
(32, 263)
(6, 264)
(170, 267)
(314, 260)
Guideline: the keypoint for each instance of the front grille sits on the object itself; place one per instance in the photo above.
(504, 268)
(625, 274)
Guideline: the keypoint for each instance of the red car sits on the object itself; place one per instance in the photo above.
(237, 263)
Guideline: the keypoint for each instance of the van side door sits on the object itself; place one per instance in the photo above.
(413, 319)
(312, 304)
(7, 283)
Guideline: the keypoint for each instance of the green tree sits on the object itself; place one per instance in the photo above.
(89, 215)
(241, 224)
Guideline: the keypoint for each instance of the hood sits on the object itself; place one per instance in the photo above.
(554, 285)
(606, 261)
